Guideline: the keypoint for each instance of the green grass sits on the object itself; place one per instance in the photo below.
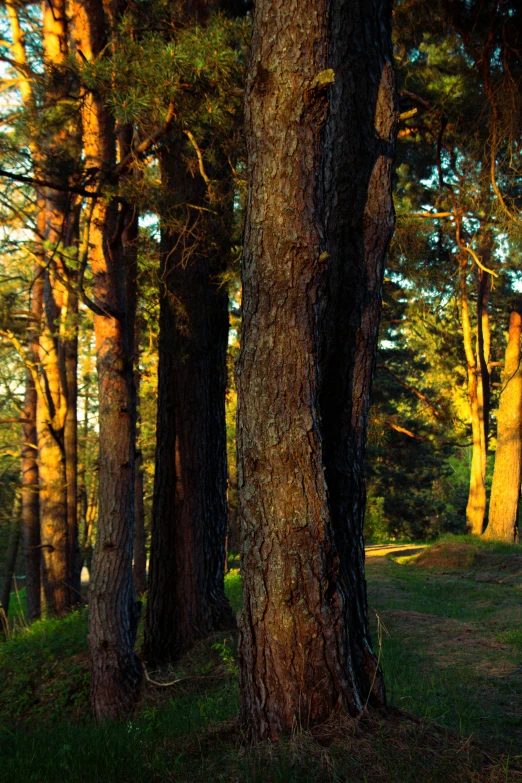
(188, 733)
(495, 547)
(444, 658)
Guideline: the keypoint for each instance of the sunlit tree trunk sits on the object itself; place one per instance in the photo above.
(320, 124)
(57, 450)
(476, 506)
(505, 490)
(116, 672)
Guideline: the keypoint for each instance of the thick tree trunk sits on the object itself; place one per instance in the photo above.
(116, 672)
(321, 124)
(186, 586)
(477, 499)
(505, 490)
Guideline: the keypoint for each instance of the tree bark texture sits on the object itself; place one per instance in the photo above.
(321, 124)
(505, 490)
(189, 523)
(477, 499)
(116, 672)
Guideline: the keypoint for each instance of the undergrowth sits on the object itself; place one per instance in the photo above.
(188, 732)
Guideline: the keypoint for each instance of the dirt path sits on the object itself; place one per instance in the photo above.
(380, 550)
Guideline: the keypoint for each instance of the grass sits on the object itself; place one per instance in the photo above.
(438, 667)
(481, 544)
(453, 653)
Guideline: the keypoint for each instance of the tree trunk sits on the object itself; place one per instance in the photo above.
(10, 562)
(140, 552)
(116, 673)
(483, 356)
(57, 413)
(130, 239)
(321, 122)
(71, 453)
(477, 500)
(189, 523)
(505, 490)
(30, 488)
(30, 479)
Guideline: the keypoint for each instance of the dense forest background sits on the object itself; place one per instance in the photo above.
(453, 272)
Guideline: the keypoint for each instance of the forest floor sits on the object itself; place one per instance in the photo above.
(447, 623)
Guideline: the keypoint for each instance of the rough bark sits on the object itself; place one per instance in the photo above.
(189, 523)
(116, 672)
(505, 490)
(319, 219)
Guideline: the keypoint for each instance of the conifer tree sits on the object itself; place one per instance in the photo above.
(320, 123)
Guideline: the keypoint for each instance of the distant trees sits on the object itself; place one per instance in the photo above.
(320, 126)
(454, 258)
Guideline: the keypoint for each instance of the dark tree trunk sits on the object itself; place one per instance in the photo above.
(116, 672)
(130, 239)
(71, 452)
(140, 552)
(319, 220)
(30, 489)
(10, 561)
(505, 490)
(189, 523)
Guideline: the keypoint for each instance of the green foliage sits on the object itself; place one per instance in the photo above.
(44, 672)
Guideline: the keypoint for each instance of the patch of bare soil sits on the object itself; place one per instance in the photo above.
(486, 566)
(447, 557)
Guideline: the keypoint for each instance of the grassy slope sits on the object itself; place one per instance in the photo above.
(187, 732)
(454, 649)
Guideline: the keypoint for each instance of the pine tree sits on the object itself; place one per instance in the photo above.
(320, 124)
